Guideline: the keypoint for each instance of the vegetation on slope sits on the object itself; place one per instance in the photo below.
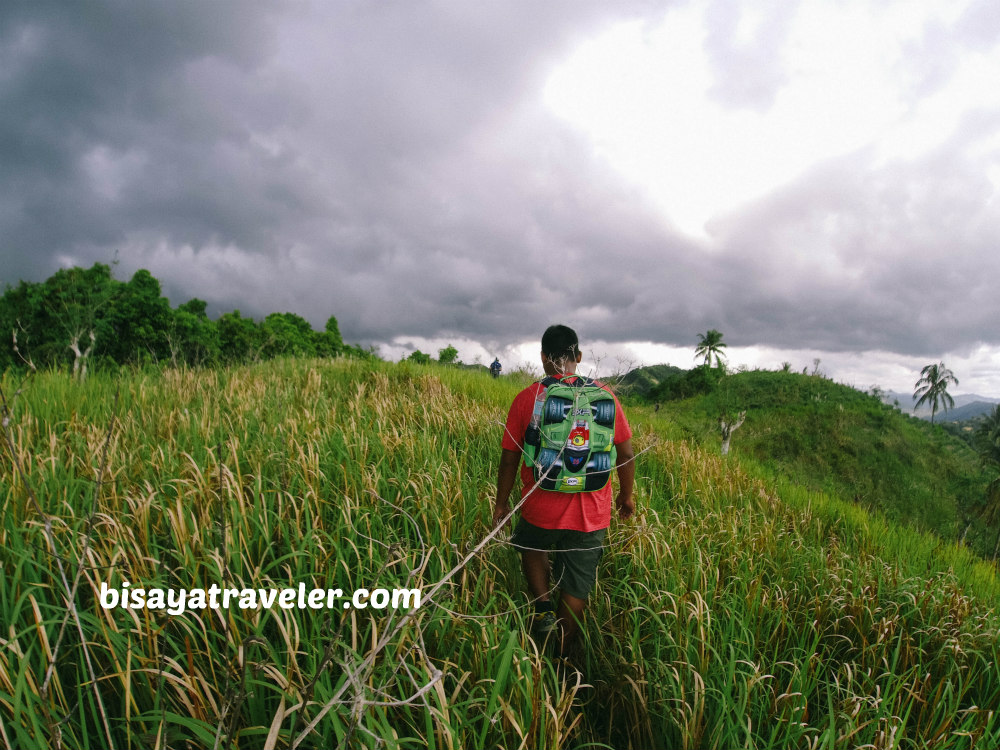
(643, 380)
(831, 437)
(84, 319)
(736, 610)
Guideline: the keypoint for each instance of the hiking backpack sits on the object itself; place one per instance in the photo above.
(569, 444)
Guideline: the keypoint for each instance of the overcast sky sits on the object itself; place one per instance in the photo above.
(814, 179)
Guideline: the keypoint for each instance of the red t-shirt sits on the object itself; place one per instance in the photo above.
(579, 511)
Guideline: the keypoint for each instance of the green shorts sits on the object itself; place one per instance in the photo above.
(574, 566)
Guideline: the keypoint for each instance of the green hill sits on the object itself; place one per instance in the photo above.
(642, 381)
(830, 437)
(740, 608)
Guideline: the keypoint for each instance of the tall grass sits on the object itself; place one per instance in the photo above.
(734, 611)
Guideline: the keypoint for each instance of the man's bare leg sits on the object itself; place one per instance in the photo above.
(570, 616)
(535, 564)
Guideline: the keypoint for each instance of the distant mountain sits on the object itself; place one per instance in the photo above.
(961, 400)
(967, 406)
(966, 411)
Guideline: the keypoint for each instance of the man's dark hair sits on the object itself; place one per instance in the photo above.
(560, 342)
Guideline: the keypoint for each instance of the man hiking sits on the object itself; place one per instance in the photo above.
(565, 432)
(496, 367)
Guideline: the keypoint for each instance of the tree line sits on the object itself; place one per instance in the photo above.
(80, 318)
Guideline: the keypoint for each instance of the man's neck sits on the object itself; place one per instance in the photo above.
(559, 368)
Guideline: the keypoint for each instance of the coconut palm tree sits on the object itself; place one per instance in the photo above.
(710, 345)
(932, 388)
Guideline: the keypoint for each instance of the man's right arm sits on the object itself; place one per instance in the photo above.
(506, 476)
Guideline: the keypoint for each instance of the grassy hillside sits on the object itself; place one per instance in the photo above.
(737, 609)
(642, 381)
(831, 437)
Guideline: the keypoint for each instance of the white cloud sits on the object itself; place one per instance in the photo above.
(642, 93)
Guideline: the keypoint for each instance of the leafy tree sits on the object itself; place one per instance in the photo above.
(193, 338)
(66, 313)
(710, 345)
(80, 296)
(448, 355)
(195, 306)
(370, 352)
(287, 334)
(329, 342)
(239, 338)
(76, 304)
(80, 312)
(688, 383)
(20, 308)
(877, 392)
(420, 358)
(138, 321)
(932, 388)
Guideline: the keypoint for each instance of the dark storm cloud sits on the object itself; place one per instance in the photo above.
(106, 126)
(352, 158)
(392, 164)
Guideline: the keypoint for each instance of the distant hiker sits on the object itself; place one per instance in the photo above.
(496, 367)
(565, 433)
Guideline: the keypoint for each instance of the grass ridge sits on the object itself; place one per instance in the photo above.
(738, 609)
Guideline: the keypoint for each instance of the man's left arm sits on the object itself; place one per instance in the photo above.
(626, 479)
